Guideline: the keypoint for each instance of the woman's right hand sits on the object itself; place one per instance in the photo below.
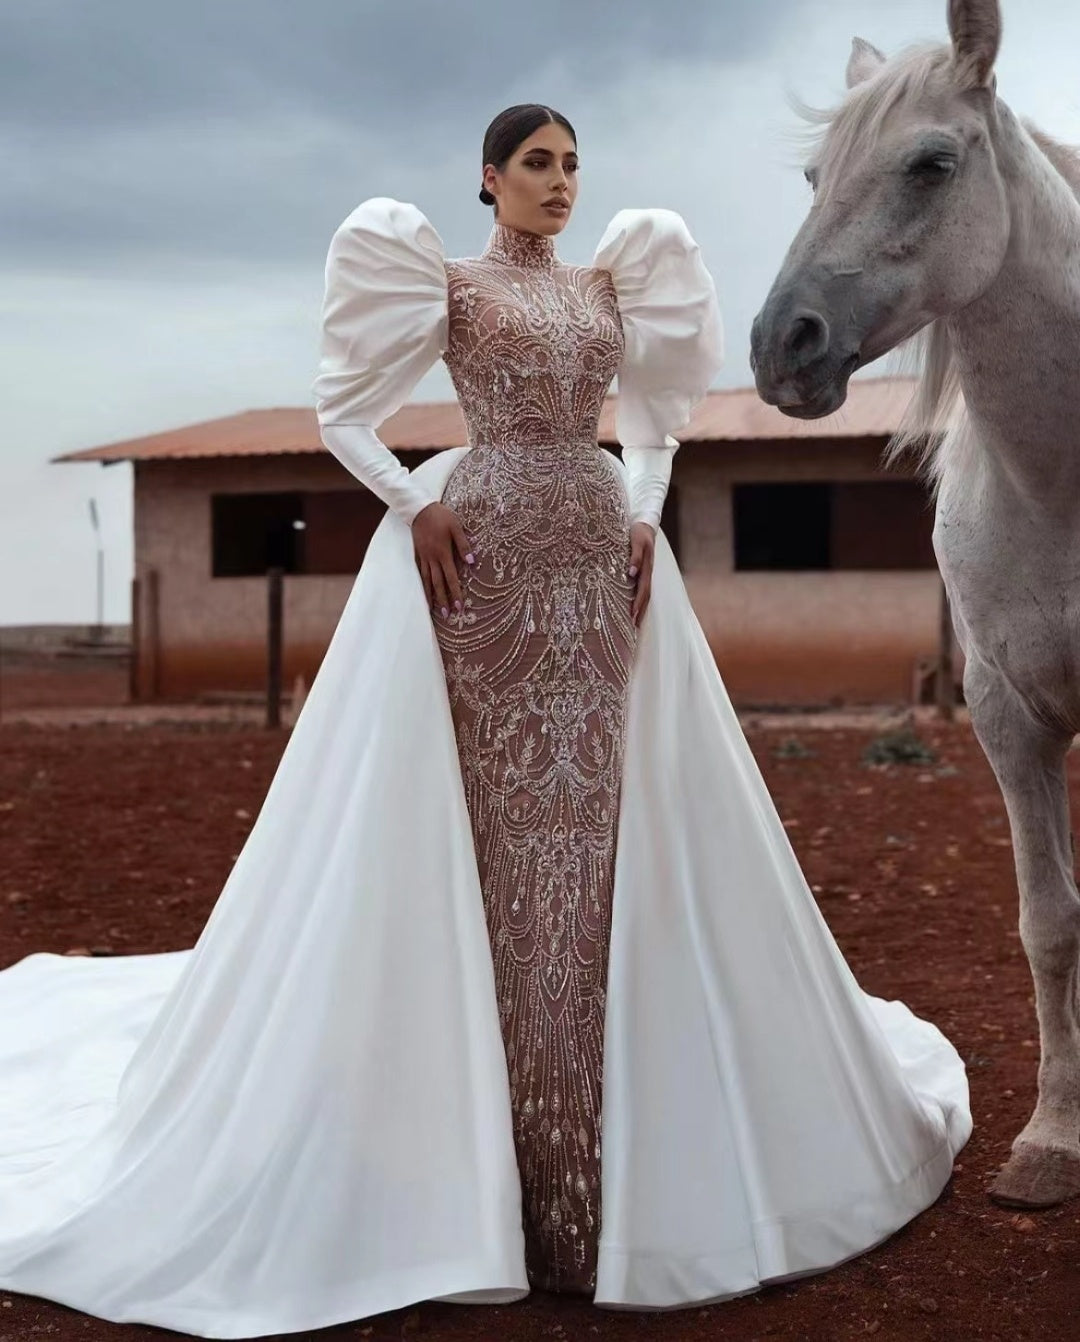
(438, 540)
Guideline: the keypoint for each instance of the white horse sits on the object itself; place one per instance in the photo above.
(936, 210)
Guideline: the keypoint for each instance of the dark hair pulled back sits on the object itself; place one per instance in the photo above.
(512, 128)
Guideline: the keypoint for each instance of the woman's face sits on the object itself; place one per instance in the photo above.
(536, 189)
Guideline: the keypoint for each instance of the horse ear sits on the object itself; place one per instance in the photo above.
(864, 62)
(975, 28)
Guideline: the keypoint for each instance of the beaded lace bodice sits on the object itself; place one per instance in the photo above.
(533, 344)
(537, 664)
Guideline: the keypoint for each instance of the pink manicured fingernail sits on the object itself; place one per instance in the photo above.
(470, 559)
(633, 570)
(445, 612)
(457, 605)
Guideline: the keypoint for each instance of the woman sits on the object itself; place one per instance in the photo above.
(516, 870)
(537, 634)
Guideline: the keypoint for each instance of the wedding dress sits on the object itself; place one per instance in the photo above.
(516, 860)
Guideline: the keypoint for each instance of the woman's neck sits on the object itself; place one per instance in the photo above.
(515, 247)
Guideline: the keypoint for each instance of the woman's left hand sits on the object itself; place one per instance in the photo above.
(642, 546)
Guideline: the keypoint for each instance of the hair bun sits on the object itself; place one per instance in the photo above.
(486, 198)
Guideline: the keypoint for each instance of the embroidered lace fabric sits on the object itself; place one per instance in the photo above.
(537, 666)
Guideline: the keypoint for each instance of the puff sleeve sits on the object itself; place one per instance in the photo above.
(384, 323)
(674, 343)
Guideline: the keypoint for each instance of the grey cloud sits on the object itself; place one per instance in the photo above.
(138, 133)
(68, 63)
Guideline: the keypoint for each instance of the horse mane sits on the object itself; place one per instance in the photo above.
(934, 424)
(1064, 157)
(860, 119)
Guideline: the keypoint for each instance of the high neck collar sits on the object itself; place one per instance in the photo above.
(529, 251)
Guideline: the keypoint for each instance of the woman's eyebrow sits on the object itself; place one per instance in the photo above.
(549, 153)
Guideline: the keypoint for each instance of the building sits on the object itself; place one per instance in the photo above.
(808, 563)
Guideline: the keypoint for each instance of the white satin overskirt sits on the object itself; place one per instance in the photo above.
(305, 1118)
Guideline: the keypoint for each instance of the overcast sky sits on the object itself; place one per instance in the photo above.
(172, 174)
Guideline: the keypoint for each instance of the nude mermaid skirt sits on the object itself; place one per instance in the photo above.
(537, 667)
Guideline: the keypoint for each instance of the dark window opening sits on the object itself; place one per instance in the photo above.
(339, 525)
(796, 527)
(782, 527)
(255, 532)
(318, 532)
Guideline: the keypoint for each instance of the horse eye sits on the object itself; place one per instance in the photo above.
(933, 166)
(811, 176)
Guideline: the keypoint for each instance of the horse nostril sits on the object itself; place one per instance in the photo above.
(806, 339)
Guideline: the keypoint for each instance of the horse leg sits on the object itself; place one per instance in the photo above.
(1028, 757)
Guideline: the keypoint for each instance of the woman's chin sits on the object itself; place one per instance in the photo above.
(551, 222)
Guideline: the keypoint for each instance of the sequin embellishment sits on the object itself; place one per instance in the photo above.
(537, 667)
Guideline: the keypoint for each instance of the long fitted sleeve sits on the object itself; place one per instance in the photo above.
(673, 344)
(384, 325)
(360, 450)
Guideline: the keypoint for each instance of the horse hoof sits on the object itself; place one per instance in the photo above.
(1037, 1177)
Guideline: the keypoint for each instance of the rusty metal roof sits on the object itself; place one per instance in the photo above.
(873, 409)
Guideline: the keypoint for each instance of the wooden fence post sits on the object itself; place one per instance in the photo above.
(136, 641)
(274, 636)
(153, 632)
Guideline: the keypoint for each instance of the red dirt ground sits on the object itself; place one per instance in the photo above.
(117, 839)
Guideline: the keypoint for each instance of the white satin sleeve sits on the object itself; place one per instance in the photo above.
(384, 323)
(674, 344)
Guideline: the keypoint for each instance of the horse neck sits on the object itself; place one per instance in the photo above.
(1017, 347)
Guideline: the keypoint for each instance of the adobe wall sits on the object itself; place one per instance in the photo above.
(213, 631)
(798, 638)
